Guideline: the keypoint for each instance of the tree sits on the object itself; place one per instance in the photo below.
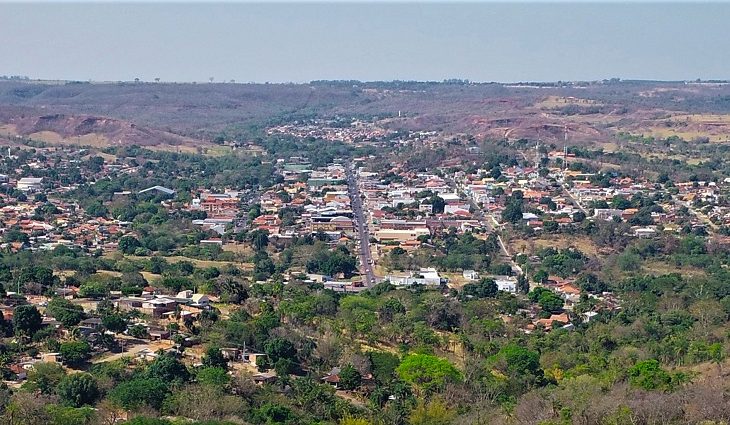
(93, 290)
(540, 276)
(75, 353)
(78, 389)
(513, 208)
(44, 377)
(137, 331)
(383, 365)
(6, 327)
(114, 323)
(66, 312)
(27, 320)
(437, 203)
(435, 412)
(279, 348)
(523, 285)
(649, 375)
(259, 239)
(485, 288)
(547, 299)
(350, 378)
(427, 373)
(520, 359)
(390, 308)
(97, 209)
(168, 369)
(128, 244)
(139, 392)
(214, 358)
(62, 415)
(213, 376)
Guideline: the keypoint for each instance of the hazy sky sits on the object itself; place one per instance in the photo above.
(376, 41)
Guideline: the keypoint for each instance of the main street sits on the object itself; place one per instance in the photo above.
(366, 261)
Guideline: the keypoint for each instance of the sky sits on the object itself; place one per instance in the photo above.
(300, 41)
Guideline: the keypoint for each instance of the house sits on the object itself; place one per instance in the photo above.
(548, 323)
(158, 334)
(506, 284)
(159, 189)
(29, 184)
(51, 357)
(425, 276)
(200, 300)
(333, 377)
(387, 235)
(606, 213)
(470, 275)
(157, 306)
(588, 315)
(264, 378)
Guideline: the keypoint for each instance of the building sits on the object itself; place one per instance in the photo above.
(333, 224)
(159, 189)
(425, 276)
(506, 284)
(29, 184)
(388, 235)
(470, 275)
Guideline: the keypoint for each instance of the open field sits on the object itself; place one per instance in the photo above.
(529, 246)
(202, 263)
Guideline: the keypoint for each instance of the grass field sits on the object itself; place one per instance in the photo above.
(551, 102)
(201, 263)
(529, 246)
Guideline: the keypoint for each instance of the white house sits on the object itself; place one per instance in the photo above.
(506, 284)
(27, 184)
(470, 275)
(425, 276)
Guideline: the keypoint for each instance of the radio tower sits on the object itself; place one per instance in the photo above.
(565, 148)
(537, 151)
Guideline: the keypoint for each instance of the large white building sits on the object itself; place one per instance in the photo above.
(425, 276)
(27, 184)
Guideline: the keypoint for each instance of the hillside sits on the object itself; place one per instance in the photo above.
(88, 130)
(159, 113)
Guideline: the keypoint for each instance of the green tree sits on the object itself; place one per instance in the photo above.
(390, 308)
(383, 365)
(128, 244)
(93, 290)
(114, 322)
(279, 348)
(78, 389)
(44, 377)
(213, 376)
(350, 378)
(434, 412)
(75, 353)
(27, 320)
(427, 373)
(66, 312)
(62, 415)
(97, 209)
(485, 288)
(259, 239)
(214, 358)
(168, 369)
(649, 375)
(139, 392)
(520, 359)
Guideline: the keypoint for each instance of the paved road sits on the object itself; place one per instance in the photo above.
(570, 196)
(366, 262)
(490, 224)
